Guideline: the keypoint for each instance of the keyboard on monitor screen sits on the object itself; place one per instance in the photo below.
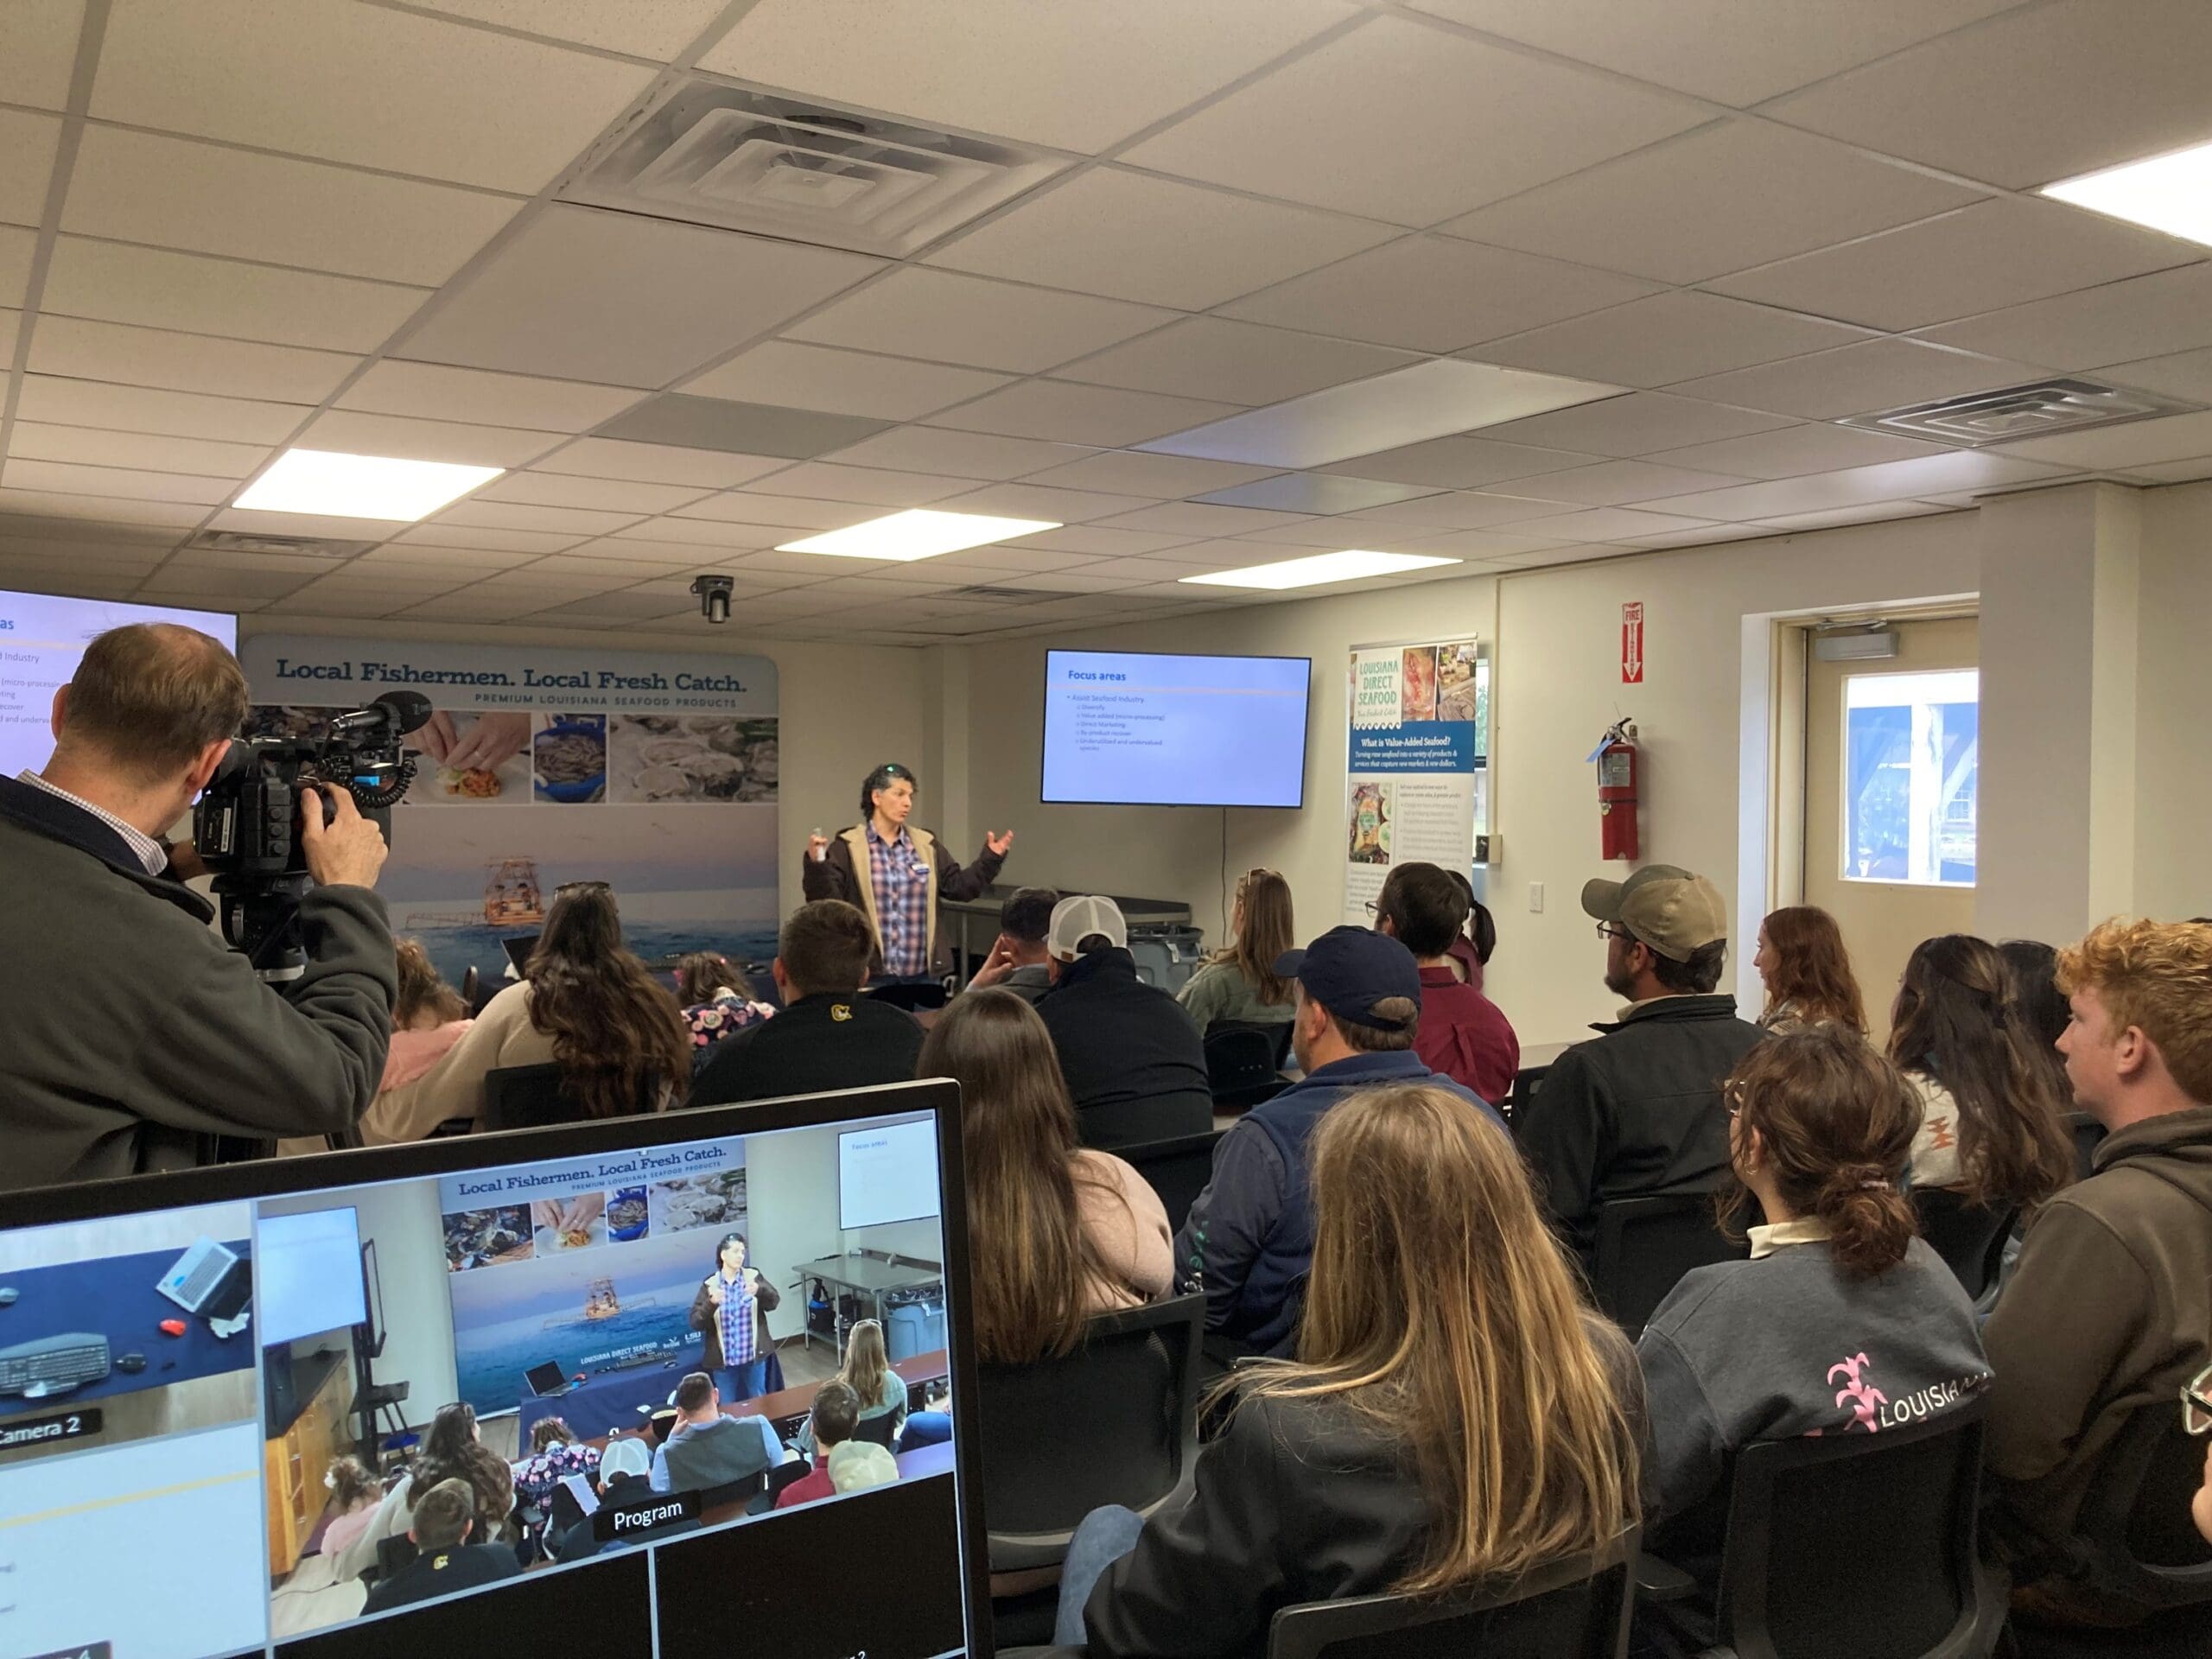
(52, 1364)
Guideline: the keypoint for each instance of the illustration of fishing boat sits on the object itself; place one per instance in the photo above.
(601, 1302)
(512, 897)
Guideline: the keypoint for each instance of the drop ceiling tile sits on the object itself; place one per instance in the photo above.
(1062, 412)
(959, 454)
(1088, 541)
(2178, 437)
(599, 494)
(608, 610)
(28, 143)
(1160, 476)
(11, 322)
(38, 51)
(828, 481)
(1077, 77)
(1133, 572)
(1458, 463)
(842, 382)
(710, 533)
(1235, 362)
(639, 301)
(1422, 149)
(1469, 509)
(436, 540)
(362, 86)
(2177, 472)
(1583, 555)
(1489, 546)
(1043, 502)
(100, 509)
(29, 441)
(2186, 375)
(354, 433)
(1842, 518)
(644, 28)
(81, 350)
(2143, 316)
(1896, 480)
(1665, 339)
(1312, 492)
(1793, 451)
(125, 483)
(136, 187)
(139, 409)
(1994, 254)
(1875, 374)
(1635, 425)
(2045, 93)
(1435, 294)
(780, 513)
(433, 391)
(1733, 194)
(1616, 483)
(1617, 525)
(1195, 518)
(751, 430)
(312, 525)
(1131, 237)
(644, 557)
(510, 515)
(1731, 51)
(657, 463)
(950, 318)
(16, 245)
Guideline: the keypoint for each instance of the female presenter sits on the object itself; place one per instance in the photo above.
(731, 1313)
(896, 874)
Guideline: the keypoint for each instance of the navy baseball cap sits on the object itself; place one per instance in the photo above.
(1349, 970)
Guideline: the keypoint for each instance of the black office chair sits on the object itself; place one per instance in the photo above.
(1969, 1239)
(1526, 1081)
(734, 1491)
(1850, 1545)
(918, 998)
(2134, 1522)
(1241, 1066)
(2089, 1134)
(535, 1097)
(776, 1480)
(1177, 1170)
(879, 1430)
(1645, 1245)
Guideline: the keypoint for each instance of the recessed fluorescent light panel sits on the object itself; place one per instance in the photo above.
(918, 534)
(1430, 400)
(2171, 194)
(1352, 565)
(337, 485)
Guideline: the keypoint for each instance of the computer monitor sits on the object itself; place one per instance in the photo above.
(583, 1250)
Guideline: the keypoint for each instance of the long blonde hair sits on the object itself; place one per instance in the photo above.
(1264, 930)
(868, 1366)
(1441, 1313)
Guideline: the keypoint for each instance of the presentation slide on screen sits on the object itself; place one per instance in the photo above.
(41, 637)
(1139, 729)
(887, 1174)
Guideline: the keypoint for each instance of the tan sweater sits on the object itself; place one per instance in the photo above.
(501, 1036)
(1129, 1223)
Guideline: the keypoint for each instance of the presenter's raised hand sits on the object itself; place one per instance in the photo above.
(818, 845)
(715, 1288)
(999, 843)
(349, 850)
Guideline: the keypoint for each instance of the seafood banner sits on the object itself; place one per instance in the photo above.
(656, 771)
(1412, 764)
(588, 1264)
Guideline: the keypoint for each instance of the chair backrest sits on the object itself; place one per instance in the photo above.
(1177, 1170)
(1848, 1545)
(786, 1474)
(1644, 1247)
(1241, 1066)
(2089, 1134)
(2135, 1520)
(536, 1097)
(1577, 1608)
(1970, 1239)
(879, 1430)
(1113, 1422)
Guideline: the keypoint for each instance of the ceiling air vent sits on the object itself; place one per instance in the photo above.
(706, 153)
(1007, 596)
(231, 541)
(2039, 409)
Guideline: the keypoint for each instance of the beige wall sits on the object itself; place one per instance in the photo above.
(2173, 775)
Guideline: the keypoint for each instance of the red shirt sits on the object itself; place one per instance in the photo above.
(1466, 1036)
(807, 1488)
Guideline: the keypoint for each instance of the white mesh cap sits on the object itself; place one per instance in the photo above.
(1076, 919)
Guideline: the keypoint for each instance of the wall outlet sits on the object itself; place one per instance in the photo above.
(1535, 898)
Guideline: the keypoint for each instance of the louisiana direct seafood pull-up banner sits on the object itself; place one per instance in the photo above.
(654, 771)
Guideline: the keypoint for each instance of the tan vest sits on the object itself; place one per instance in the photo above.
(855, 840)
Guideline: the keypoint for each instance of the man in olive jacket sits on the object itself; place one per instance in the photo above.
(132, 1038)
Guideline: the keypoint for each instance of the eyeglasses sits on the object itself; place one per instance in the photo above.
(1372, 909)
(1607, 931)
(2196, 1402)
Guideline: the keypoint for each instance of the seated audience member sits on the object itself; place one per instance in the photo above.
(454, 1449)
(1636, 1112)
(829, 1036)
(2037, 1007)
(858, 1464)
(1462, 1034)
(2108, 1309)
(1239, 983)
(1991, 1126)
(835, 1419)
(443, 1526)
(1249, 1239)
(1453, 1416)
(866, 1371)
(1056, 1232)
(1806, 972)
(717, 1003)
(555, 1454)
(730, 1313)
(584, 1002)
(1135, 1066)
(625, 1478)
(427, 1018)
(706, 1449)
(354, 1495)
(1842, 1322)
(1019, 962)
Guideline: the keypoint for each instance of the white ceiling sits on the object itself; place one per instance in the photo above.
(227, 228)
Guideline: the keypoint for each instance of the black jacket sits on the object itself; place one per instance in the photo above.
(842, 873)
(1636, 1113)
(132, 1038)
(827, 1041)
(1133, 1061)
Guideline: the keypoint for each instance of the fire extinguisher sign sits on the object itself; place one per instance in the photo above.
(1632, 643)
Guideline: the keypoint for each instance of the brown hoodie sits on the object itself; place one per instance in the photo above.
(2108, 1310)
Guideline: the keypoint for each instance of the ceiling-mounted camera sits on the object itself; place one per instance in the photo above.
(713, 596)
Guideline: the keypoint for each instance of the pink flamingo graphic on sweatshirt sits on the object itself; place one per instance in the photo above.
(1865, 1399)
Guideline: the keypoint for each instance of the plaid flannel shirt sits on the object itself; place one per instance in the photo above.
(900, 877)
(735, 1318)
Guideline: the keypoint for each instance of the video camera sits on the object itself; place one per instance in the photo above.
(247, 825)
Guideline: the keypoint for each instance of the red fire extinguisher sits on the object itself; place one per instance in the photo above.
(1616, 790)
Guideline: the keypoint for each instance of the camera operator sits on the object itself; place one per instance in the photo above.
(132, 1038)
